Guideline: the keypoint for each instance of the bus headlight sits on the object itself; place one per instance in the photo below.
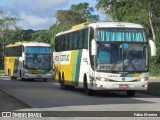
(26, 71)
(50, 72)
(102, 79)
(143, 79)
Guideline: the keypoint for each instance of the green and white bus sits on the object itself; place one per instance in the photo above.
(103, 56)
(28, 60)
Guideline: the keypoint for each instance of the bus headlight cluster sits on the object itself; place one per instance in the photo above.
(143, 79)
(50, 72)
(102, 79)
(26, 71)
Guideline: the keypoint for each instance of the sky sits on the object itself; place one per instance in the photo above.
(38, 14)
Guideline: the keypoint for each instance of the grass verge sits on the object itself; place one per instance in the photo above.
(1, 71)
(154, 87)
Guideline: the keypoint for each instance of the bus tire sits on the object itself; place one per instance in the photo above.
(85, 84)
(59, 78)
(9, 74)
(131, 93)
(23, 79)
(13, 77)
(62, 83)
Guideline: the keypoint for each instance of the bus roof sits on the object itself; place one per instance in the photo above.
(102, 25)
(115, 25)
(28, 43)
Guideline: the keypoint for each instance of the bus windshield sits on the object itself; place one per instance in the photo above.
(125, 53)
(38, 58)
(38, 61)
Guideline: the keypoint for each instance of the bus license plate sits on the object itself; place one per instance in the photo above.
(123, 86)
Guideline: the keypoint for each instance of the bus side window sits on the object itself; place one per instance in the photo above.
(56, 44)
(75, 40)
(71, 41)
(67, 41)
(59, 44)
(63, 43)
(85, 35)
(80, 40)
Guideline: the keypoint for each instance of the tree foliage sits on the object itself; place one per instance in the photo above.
(6, 22)
(77, 14)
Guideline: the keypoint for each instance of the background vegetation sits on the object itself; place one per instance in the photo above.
(145, 12)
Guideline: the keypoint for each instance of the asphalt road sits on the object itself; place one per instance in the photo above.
(47, 96)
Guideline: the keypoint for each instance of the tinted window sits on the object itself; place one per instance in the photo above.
(86, 39)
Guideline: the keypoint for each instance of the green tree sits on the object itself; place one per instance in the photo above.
(6, 23)
(77, 14)
(42, 36)
(85, 11)
(13, 35)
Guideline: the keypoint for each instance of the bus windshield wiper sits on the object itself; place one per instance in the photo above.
(130, 61)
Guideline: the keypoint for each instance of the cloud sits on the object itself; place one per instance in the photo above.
(34, 13)
(35, 7)
(36, 23)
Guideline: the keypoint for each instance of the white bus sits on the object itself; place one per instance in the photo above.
(103, 56)
(28, 60)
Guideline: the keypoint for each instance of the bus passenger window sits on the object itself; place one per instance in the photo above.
(75, 40)
(63, 43)
(67, 41)
(60, 44)
(85, 39)
(80, 40)
(70, 41)
(56, 44)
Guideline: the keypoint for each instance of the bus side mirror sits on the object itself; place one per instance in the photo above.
(153, 47)
(93, 47)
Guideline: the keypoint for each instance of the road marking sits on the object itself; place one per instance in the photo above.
(55, 83)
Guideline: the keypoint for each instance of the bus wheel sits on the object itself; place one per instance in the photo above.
(131, 93)
(23, 79)
(85, 84)
(9, 74)
(45, 80)
(62, 83)
(13, 77)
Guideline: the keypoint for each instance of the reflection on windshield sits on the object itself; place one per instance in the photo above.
(35, 61)
(121, 57)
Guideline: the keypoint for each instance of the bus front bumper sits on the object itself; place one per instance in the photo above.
(120, 86)
(38, 76)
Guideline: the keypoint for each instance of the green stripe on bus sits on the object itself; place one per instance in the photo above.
(76, 66)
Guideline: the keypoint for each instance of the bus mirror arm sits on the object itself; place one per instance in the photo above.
(93, 47)
(23, 63)
(153, 47)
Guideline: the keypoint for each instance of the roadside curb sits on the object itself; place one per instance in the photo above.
(3, 76)
(150, 93)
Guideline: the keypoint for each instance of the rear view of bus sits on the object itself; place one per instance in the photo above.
(115, 58)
